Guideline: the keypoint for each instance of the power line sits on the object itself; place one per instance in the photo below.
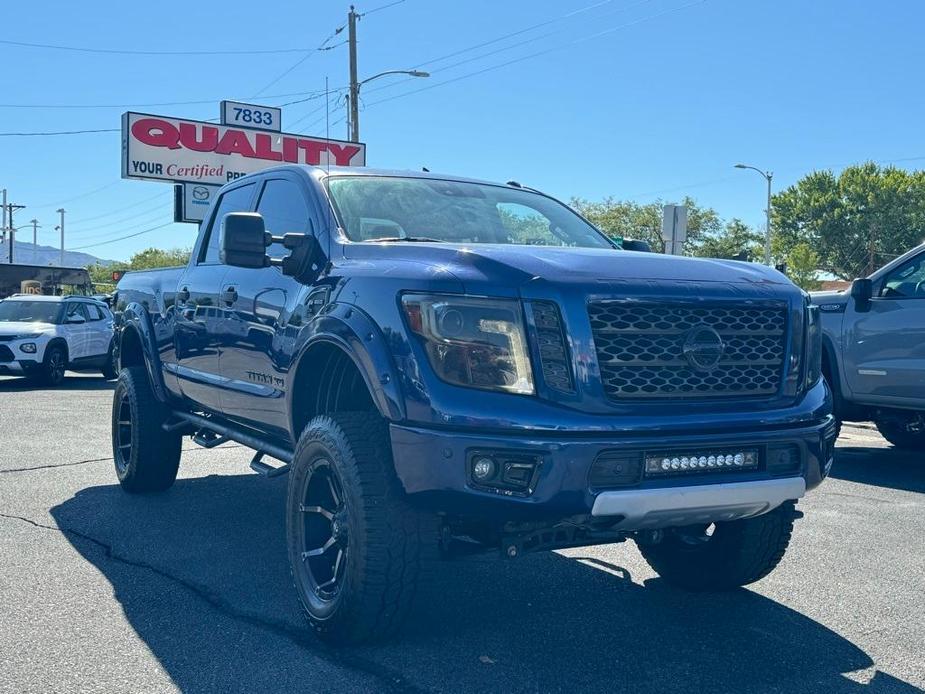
(148, 105)
(381, 7)
(60, 132)
(121, 238)
(159, 208)
(119, 209)
(546, 51)
(323, 46)
(119, 51)
(76, 197)
(483, 44)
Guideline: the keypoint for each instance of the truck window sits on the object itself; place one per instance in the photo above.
(907, 281)
(284, 210)
(235, 200)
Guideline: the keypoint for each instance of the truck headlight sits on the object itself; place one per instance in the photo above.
(473, 341)
(813, 346)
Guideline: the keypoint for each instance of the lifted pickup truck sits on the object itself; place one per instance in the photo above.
(445, 366)
(874, 349)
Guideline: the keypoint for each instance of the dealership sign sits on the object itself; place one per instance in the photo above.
(192, 201)
(160, 148)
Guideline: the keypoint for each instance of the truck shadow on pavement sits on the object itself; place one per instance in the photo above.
(201, 574)
(70, 382)
(882, 467)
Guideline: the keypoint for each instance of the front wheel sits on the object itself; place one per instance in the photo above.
(109, 370)
(53, 366)
(146, 456)
(903, 433)
(722, 556)
(357, 550)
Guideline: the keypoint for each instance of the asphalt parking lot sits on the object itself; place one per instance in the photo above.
(189, 590)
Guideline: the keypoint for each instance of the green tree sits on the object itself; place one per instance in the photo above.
(158, 257)
(803, 266)
(734, 239)
(632, 220)
(855, 221)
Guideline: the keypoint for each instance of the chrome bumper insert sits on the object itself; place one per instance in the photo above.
(708, 503)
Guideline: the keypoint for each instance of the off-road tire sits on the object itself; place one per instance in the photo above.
(109, 370)
(146, 457)
(53, 366)
(736, 554)
(390, 544)
(894, 432)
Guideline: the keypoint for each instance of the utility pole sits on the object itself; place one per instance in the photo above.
(354, 84)
(767, 233)
(10, 209)
(61, 228)
(35, 241)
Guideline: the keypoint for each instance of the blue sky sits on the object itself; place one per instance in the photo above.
(635, 99)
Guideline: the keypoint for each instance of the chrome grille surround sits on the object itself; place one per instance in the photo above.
(656, 350)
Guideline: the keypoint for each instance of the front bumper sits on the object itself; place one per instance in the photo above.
(19, 367)
(433, 465)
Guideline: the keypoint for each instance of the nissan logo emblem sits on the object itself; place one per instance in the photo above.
(703, 348)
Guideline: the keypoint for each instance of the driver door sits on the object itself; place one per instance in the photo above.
(885, 341)
(76, 330)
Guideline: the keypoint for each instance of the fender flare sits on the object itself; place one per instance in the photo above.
(835, 371)
(135, 317)
(357, 335)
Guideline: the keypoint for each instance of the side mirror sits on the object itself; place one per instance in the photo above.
(636, 245)
(243, 241)
(862, 290)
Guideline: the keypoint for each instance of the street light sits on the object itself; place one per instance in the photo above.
(355, 97)
(767, 239)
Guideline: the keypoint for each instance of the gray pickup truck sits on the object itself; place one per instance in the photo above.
(874, 349)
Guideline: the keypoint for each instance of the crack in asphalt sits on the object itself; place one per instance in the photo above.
(97, 460)
(390, 679)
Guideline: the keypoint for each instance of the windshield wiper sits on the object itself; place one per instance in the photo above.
(413, 239)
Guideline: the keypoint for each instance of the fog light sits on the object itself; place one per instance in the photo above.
(27, 347)
(483, 469)
(659, 463)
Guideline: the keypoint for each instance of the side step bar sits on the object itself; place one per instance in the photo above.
(229, 433)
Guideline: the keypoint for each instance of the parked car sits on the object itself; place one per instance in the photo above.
(42, 336)
(874, 349)
(445, 366)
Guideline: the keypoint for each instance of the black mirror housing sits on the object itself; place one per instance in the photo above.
(243, 240)
(636, 245)
(862, 290)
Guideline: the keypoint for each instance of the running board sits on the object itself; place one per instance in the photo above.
(225, 432)
(265, 470)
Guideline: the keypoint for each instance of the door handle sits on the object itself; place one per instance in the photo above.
(229, 296)
(183, 295)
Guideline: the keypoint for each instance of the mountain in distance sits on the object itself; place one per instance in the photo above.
(27, 254)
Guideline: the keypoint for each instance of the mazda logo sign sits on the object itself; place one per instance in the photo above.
(703, 348)
(200, 193)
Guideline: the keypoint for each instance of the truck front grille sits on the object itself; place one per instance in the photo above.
(676, 350)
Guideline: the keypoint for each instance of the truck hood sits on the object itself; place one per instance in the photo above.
(20, 328)
(510, 265)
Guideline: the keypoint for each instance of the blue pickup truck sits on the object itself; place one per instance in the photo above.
(445, 366)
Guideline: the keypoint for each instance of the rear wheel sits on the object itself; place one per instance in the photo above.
(357, 550)
(907, 433)
(146, 456)
(53, 366)
(722, 556)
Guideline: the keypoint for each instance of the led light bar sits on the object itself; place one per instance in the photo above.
(669, 462)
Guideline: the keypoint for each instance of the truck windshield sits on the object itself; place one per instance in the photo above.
(29, 311)
(386, 208)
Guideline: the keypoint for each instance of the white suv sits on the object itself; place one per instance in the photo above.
(41, 336)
